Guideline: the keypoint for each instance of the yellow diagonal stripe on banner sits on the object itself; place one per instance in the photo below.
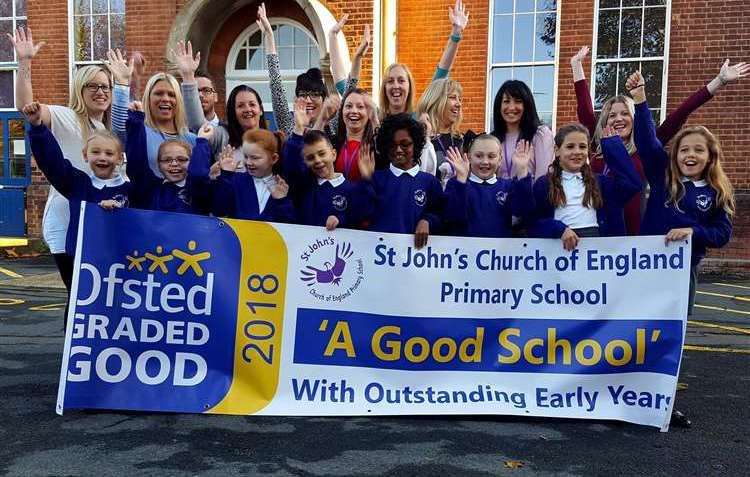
(260, 318)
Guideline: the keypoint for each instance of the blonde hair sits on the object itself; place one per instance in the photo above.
(385, 108)
(180, 120)
(106, 135)
(604, 115)
(713, 174)
(82, 76)
(434, 100)
(178, 142)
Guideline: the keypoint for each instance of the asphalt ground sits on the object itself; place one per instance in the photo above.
(714, 382)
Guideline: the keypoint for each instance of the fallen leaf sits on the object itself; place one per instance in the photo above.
(513, 464)
(682, 386)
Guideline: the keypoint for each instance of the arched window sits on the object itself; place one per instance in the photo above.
(246, 64)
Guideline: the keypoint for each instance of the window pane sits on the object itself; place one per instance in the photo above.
(301, 59)
(524, 6)
(82, 35)
(607, 35)
(609, 3)
(545, 37)
(653, 73)
(286, 58)
(6, 8)
(503, 6)
(286, 35)
(101, 37)
(502, 39)
(240, 63)
(314, 57)
(81, 6)
(299, 37)
(6, 89)
(655, 2)
(625, 70)
(653, 32)
(99, 6)
(117, 31)
(20, 8)
(255, 56)
(630, 42)
(524, 37)
(117, 6)
(499, 76)
(6, 49)
(546, 5)
(17, 148)
(544, 88)
(632, 3)
(523, 74)
(606, 83)
(254, 39)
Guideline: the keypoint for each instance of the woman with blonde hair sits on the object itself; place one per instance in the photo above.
(162, 105)
(88, 110)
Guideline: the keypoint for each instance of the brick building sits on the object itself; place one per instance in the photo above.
(679, 45)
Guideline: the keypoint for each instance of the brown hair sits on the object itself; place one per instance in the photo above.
(103, 134)
(270, 141)
(592, 197)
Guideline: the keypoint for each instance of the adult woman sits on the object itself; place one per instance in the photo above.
(162, 106)
(515, 119)
(88, 110)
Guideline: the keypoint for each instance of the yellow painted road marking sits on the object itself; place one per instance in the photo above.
(718, 308)
(731, 285)
(48, 307)
(721, 295)
(722, 327)
(10, 273)
(715, 350)
(10, 301)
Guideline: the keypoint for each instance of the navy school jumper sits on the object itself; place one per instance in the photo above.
(697, 209)
(475, 209)
(154, 193)
(233, 195)
(73, 184)
(350, 202)
(616, 190)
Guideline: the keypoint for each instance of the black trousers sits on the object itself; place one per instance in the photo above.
(64, 264)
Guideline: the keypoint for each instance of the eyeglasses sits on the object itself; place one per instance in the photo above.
(94, 87)
(404, 145)
(310, 94)
(177, 160)
(206, 90)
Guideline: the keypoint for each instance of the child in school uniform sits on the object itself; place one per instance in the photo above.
(572, 201)
(255, 193)
(321, 196)
(184, 168)
(690, 193)
(406, 199)
(479, 204)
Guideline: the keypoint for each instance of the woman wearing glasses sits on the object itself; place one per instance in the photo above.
(88, 110)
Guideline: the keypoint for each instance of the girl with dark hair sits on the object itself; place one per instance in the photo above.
(572, 201)
(515, 119)
(406, 199)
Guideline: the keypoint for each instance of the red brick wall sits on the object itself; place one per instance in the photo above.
(360, 14)
(147, 27)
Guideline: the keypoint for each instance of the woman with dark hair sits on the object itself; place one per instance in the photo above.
(515, 119)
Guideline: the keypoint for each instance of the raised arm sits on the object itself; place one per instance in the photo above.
(649, 147)
(626, 182)
(284, 120)
(459, 18)
(136, 151)
(122, 71)
(23, 43)
(339, 54)
(187, 64)
(585, 108)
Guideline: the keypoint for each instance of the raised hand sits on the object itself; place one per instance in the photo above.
(135, 106)
(330, 107)
(579, 57)
(280, 189)
(569, 239)
(33, 113)
(636, 86)
(226, 161)
(121, 68)
(332, 222)
(424, 118)
(459, 17)
(609, 131)
(206, 131)
(728, 73)
(301, 117)
(366, 162)
(522, 158)
(422, 233)
(372, 112)
(23, 42)
(184, 60)
(339, 25)
(364, 45)
(460, 163)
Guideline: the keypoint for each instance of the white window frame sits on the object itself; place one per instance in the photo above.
(236, 77)
(489, 96)
(71, 36)
(13, 65)
(664, 58)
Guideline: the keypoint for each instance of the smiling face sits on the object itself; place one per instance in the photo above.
(258, 161)
(402, 150)
(511, 109)
(693, 156)
(207, 95)
(397, 89)
(97, 94)
(103, 156)
(313, 101)
(484, 158)
(173, 162)
(355, 113)
(319, 158)
(162, 102)
(620, 119)
(452, 110)
(248, 110)
(573, 152)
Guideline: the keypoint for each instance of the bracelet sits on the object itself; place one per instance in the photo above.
(639, 85)
(455, 38)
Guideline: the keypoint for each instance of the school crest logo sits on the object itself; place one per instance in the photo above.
(339, 202)
(420, 197)
(332, 272)
(501, 197)
(704, 202)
